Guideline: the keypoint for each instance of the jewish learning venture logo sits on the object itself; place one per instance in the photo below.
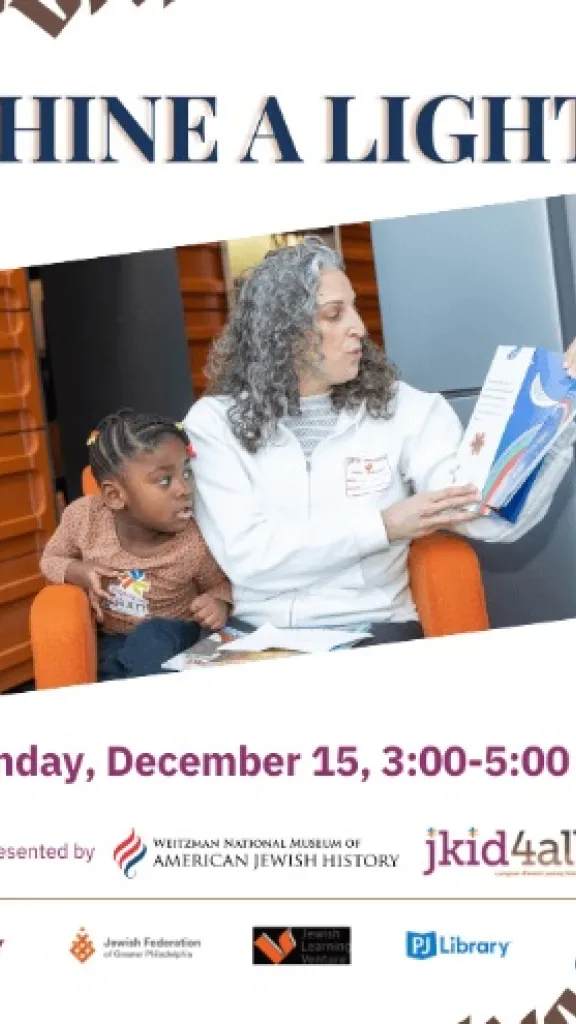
(82, 947)
(301, 946)
(425, 945)
(129, 853)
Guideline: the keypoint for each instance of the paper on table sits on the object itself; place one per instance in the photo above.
(202, 653)
(309, 641)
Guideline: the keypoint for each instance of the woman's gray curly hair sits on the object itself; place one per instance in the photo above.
(267, 341)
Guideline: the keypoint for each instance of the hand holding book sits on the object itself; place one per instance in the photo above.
(527, 402)
(429, 512)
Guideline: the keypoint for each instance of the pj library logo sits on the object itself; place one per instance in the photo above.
(519, 854)
(129, 853)
(426, 945)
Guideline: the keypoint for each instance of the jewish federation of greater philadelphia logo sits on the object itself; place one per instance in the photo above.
(82, 947)
(129, 853)
(425, 945)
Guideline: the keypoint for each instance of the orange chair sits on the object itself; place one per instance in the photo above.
(89, 485)
(444, 575)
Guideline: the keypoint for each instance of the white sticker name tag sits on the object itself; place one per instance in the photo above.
(127, 597)
(126, 604)
(367, 476)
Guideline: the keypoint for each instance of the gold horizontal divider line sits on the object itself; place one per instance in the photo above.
(287, 899)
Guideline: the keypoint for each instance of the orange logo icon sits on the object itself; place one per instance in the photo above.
(276, 952)
(82, 948)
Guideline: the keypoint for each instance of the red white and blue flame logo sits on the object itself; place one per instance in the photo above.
(129, 853)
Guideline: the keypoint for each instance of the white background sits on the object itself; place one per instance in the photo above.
(474, 691)
(241, 53)
(462, 690)
(220, 983)
(511, 688)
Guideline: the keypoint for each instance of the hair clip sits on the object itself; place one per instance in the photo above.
(189, 447)
(93, 437)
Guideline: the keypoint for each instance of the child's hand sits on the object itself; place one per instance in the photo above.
(91, 578)
(209, 612)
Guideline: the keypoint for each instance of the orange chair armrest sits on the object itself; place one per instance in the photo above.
(447, 586)
(89, 485)
(63, 637)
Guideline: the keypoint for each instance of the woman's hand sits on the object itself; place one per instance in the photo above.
(570, 360)
(91, 578)
(426, 513)
(210, 612)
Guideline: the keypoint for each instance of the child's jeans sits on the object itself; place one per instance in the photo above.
(143, 651)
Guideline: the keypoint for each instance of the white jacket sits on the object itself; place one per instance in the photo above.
(303, 543)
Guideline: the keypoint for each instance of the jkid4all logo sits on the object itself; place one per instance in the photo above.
(516, 855)
(45, 18)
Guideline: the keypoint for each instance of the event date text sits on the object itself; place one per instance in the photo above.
(453, 761)
(331, 761)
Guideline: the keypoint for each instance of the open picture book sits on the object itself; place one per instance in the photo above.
(526, 403)
(231, 646)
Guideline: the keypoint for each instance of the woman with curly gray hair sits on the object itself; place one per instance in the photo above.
(316, 467)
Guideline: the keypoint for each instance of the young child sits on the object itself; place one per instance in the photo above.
(136, 549)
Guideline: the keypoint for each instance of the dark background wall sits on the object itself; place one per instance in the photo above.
(116, 337)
